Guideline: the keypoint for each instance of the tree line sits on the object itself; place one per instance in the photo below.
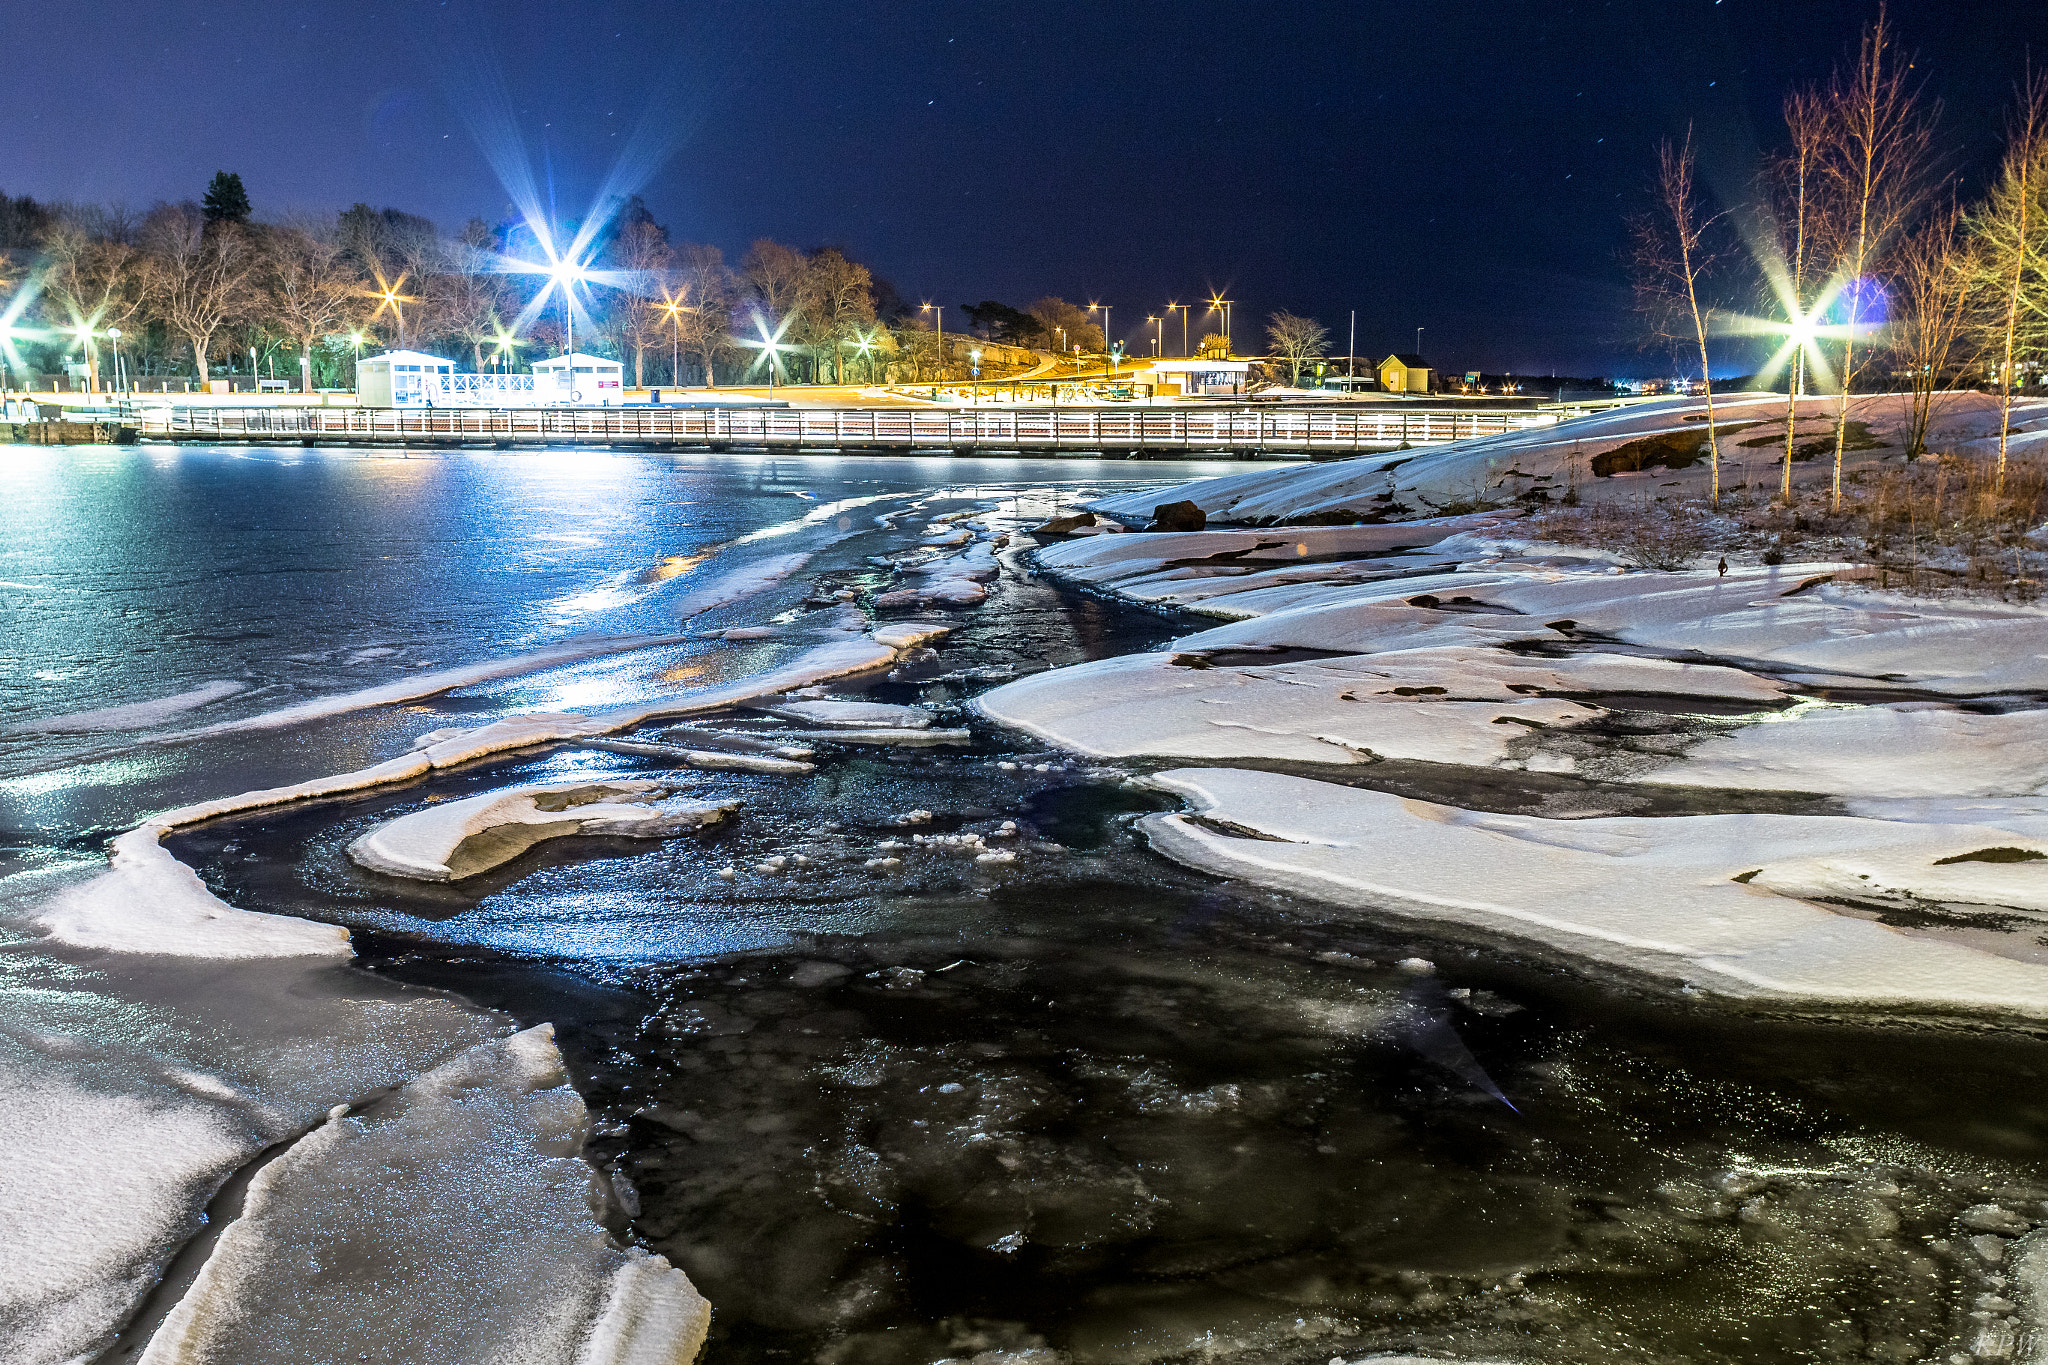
(203, 284)
(1855, 250)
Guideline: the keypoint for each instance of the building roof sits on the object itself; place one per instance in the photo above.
(1413, 362)
(408, 358)
(558, 361)
(1197, 365)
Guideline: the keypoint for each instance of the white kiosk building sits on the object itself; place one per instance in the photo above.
(579, 379)
(401, 379)
(413, 379)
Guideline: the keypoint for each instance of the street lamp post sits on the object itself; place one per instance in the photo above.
(974, 390)
(1105, 331)
(938, 312)
(355, 373)
(1221, 307)
(1183, 325)
(114, 335)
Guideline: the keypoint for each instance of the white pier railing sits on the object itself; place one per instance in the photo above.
(1249, 430)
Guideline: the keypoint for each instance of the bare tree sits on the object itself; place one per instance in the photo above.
(2009, 249)
(466, 299)
(1296, 340)
(89, 283)
(1670, 260)
(1875, 153)
(838, 303)
(1065, 325)
(640, 253)
(1792, 196)
(774, 276)
(196, 277)
(706, 323)
(309, 287)
(1931, 297)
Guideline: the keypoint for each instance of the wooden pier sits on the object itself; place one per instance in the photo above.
(59, 432)
(1243, 432)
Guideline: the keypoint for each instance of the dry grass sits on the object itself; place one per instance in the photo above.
(1942, 525)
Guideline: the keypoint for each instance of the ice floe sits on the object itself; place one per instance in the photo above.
(1657, 896)
(1442, 705)
(460, 839)
(366, 1232)
(140, 715)
(852, 715)
(1905, 749)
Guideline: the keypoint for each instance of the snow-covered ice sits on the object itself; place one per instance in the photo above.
(1904, 749)
(455, 1217)
(1656, 896)
(1454, 704)
(458, 839)
(139, 715)
(851, 715)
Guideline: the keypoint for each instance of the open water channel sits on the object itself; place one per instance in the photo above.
(1084, 1104)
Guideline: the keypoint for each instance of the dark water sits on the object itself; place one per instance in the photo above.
(1089, 1102)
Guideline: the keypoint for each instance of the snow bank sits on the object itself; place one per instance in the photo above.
(1447, 705)
(1547, 459)
(139, 715)
(1910, 749)
(463, 838)
(1143, 704)
(454, 1217)
(1787, 618)
(1656, 896)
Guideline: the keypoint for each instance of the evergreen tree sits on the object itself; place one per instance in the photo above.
(226, 201)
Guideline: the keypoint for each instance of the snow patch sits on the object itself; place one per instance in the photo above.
(463, 838)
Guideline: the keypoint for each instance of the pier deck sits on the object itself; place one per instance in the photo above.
(1245, 432)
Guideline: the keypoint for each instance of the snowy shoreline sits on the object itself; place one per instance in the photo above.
(1456, 643)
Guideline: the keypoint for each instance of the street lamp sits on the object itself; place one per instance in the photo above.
(675, 310)
(83, 331)
(1105, 327)
(1183, 325)
(938, 312)
(356, 370)
(565, 274)
(1158, 330)
(974, 369)
(1221, 307)
(114, 335)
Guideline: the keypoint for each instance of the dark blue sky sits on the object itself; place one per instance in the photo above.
(1462, 167)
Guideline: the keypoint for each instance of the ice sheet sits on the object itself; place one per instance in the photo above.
(455, 1217)
(1903, 750)
(457, 839)
(135, 716)
(1651, 895)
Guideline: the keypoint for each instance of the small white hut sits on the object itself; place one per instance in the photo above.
(585, 380)
(401, 379)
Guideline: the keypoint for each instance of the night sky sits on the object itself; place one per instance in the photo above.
(1461, 167)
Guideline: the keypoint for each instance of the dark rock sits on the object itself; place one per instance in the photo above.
(1064, 526)
(1184, 515)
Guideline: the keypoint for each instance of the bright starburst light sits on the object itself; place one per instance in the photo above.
(565, 265)
(1803, 333)
(768, 350)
